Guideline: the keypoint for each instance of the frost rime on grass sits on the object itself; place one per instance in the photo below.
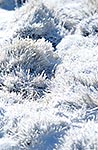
(49, 76)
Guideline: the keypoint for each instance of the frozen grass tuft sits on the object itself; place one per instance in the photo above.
(49, 76)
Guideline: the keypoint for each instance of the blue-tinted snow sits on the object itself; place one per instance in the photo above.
(49, 75)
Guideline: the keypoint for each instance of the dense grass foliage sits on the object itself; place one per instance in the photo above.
(49, 75)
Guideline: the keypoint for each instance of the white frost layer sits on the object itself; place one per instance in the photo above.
(49, 76)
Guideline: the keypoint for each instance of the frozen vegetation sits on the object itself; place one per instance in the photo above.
(49, 75)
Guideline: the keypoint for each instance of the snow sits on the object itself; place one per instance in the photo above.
(5, 22)
(49, 75)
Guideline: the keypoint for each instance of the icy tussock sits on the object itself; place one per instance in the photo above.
(49, 76)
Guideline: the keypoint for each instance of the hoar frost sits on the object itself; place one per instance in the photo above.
(49, 75)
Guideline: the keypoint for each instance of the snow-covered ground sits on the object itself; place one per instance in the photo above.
(49, 76)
